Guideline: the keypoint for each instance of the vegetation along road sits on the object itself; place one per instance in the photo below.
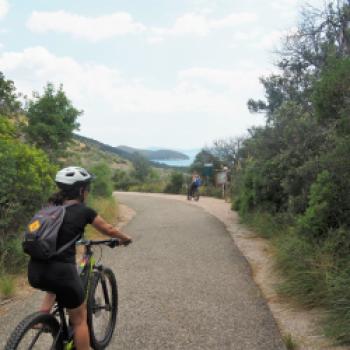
(183, 284)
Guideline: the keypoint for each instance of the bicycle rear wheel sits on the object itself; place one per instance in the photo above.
(39, 331)
(196, 195)
(102, 308)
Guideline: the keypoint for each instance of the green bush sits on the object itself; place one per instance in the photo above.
(122, 180)
(12, 258)
(175, 184)
(151, 187)
(319, 216)
(210, 191)
(102, 185)
(25, 184)
(7, 286)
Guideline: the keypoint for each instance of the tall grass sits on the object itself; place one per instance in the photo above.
(315, 274)
(107, 208)
(289, 342)
(7, 286)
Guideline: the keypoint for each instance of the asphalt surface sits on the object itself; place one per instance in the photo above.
(183, 284)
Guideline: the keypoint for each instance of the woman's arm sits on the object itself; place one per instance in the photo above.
(104, 227)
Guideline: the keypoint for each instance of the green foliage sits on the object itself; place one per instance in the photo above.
(332, 93)
(175, 184)
(151, 187)
(210, 191)
(296, 168)
(12, 258)
(25, 183)
(9, 104)
(122, 180)
(7, 286)
(289, 342)
(320, 214)
(7, 130)
(102, 185)
(52, 120)
(142, 167)
(107, 207)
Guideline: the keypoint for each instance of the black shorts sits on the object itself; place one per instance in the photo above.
(59, 278)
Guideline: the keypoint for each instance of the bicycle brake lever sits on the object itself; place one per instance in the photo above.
(114, 243)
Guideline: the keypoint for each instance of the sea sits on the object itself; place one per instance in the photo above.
(182, 162)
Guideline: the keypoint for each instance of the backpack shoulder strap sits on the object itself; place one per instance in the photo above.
(64, 247)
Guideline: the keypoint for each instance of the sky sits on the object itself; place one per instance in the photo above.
(157, 73)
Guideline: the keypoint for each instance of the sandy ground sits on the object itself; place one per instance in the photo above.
(302, 325)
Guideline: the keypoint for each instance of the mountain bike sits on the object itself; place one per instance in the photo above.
(52, 330)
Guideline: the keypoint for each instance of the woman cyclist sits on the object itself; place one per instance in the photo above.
(59, 276)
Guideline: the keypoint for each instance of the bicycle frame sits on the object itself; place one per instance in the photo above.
(86, 266)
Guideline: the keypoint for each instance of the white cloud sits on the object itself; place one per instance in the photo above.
(243, 78)
(121, 23)
(117, 107)
(199, 24)
(32, 67)
(94, 29)
(4, 7)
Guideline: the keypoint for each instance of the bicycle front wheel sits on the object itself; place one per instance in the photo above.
(102, 308)
(39, 331)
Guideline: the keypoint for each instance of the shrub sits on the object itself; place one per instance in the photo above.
(175, 183)
(102, 185)
(25, 184)
(7, 287)
(122, 180)
(318, 217)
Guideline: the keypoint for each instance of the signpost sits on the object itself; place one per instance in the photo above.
(221, 180)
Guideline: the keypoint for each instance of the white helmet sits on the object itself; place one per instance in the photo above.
(73, 175)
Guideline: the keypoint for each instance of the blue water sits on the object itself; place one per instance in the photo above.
(183, 162)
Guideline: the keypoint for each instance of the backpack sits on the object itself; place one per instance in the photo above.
(41, 233)
(198, 182)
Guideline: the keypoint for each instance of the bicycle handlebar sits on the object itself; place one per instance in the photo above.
(112, 242)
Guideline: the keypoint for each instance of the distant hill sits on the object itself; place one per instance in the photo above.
(128, 153)
(162, 154)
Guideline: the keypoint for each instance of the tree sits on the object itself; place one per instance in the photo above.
(9, 104)
(51, 121)
(142, 167)
(227, 150)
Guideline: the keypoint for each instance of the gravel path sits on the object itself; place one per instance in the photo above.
(183, 285)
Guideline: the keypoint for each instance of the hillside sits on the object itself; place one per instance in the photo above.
(88, 152)
(162, 154)
(128, 153)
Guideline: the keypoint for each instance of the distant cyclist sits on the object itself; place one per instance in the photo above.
(194, 186)
(58, 276)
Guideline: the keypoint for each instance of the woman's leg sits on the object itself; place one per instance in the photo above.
(48, 302)
(78, 320)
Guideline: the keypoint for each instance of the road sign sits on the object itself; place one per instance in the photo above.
(208, 169)
(221, 178)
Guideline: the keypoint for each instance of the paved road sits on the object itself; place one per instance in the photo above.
(183, 285)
